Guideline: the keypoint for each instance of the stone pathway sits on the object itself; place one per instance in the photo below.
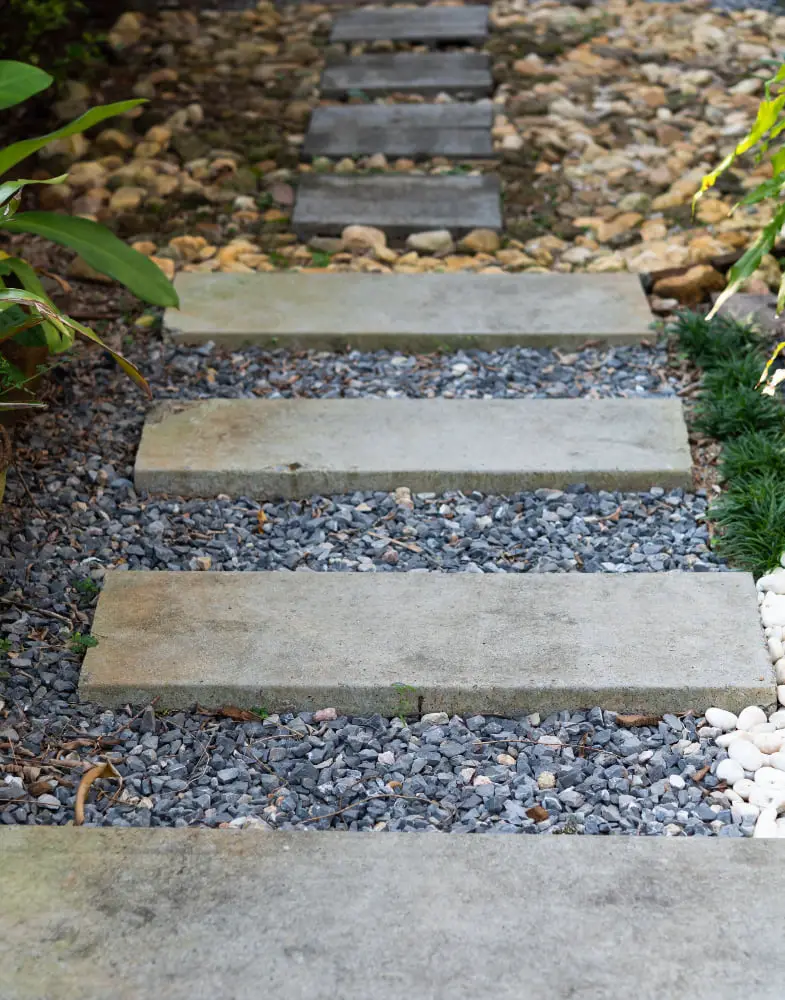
(404, 203)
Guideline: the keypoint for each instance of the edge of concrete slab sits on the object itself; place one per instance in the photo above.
(409, 312)
(293, 448)
(206, 914)
(405, 644)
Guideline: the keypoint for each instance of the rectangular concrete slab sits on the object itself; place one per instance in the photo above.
(395, 643)
(417, 131)
(399, 204)
(426, 73)
(219, 914)
(409, 312)
(301, 447)
(429, 24)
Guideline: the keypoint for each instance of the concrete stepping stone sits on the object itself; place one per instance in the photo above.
(461, 131)
(399, 204)
(426, 73)
(429, 24)
(213, 913)
(409, 312)
(269, 448)
(497, 644)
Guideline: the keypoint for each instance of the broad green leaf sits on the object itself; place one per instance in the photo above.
(102, 250)
(18, 81)
(9, 189)
(770, 188)
(13, 154)
(49, 335)
(62, 322)
(750, 260)
(778, 162)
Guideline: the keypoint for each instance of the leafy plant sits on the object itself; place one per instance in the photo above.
(751, 519)
(728, 408)
(707, 341)
(78, 642)
(748, 455)
(86, 586)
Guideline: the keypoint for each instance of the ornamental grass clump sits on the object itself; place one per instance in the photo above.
(749, 516)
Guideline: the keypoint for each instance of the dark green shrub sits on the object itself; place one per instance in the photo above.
(705, 342)
(750, 517)
(750, 455)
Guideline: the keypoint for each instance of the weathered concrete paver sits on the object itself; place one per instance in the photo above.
(429, 24)
(399, 204)
(206, 914)
(286, 448)
(409, 312)
(394, 643)
(460, 130)
(425, 73)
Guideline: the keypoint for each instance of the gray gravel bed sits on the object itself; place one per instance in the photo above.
(570, 773)
(75, 513)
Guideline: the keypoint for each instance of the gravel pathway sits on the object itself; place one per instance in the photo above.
(580, 772)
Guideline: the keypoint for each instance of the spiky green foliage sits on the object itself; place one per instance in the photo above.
(750, 517)
(705, 342)
(732, 412)
(751, 455)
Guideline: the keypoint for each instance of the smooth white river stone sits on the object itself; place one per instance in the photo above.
(767, 798)
(746, 754)
(766, 825)
(762, 727)
(742, 811)
(776, 649)
(743, 787)
(768, 743)
(730, 771)
(750, 716)
(773, 581)
(727, 739)
(781, 694)
(779, 671)
(777, 760)
(772, 610)
(778, 718)
(770, 777)
(721, 719)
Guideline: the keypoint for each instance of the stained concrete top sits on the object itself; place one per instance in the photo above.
(461, 130)
(426, 73)
(219, 914)
(429, 24)
(501, 644)
(399, 204)
(270, 448)
(409, 311)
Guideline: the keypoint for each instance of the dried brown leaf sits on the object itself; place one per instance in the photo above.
(537, 813)
(700, 775)
(105, 770)
(237, 714)
(637, 720)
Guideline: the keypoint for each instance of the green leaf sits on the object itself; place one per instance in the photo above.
(102, 250)
(18, 81)
(9, 189)
(40, 304)
(49, 335)
(13, 154)
(767, 189)
(750, 260)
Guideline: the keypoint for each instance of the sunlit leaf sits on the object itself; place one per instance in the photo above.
(749, 262)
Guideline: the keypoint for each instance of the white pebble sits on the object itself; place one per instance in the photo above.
(764, 797)
(708, 733)
(777, 760)
(767, 742)
(763, 727)
(778, 718)
(772, 610)
(730, 771)
(766, 825)
(721, 719)
(750, 716)
(727, 739)
(779, 671)
(742, 811)
(773, 581)
(546, 779)
(743, 787)
(776, 649)
(676, 781)
(781, 694)
(746, 754)
(770, 777)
